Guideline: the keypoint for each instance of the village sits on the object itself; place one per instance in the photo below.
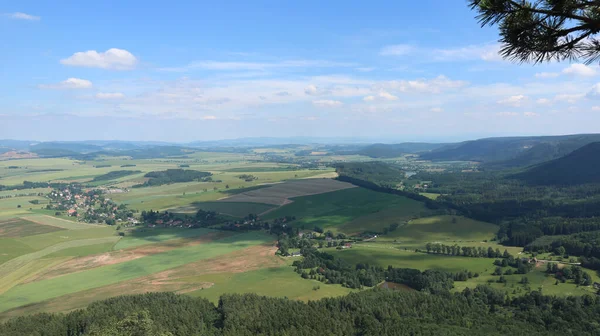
(89, 206)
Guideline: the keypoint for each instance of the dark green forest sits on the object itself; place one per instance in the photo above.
(479, 311)
(168, 176)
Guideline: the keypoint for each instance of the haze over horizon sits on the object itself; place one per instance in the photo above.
(192, 71)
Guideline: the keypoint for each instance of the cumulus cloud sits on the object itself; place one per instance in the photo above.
(23, 16)
(396, 50)
(70, 83)
(516, 100)
(327, 103)
(580, 70)
(531, 114)
(209, 117)
(380, 96)
(313, 90)
(109, 95)
(115, 59)
(547, 74)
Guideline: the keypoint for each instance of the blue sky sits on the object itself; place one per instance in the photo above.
(189, 70)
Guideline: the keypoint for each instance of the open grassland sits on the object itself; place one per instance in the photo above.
(145, 236)
(448, 230)
(277, 282)
(16, 206)
(59, 222)
(111, 274)
(234, 209)
(19, 227)
(340, 210)
(279, 194)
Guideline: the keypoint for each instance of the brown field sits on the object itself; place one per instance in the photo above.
(179, 280)
(280, 193)
(121, 256)
(394, 286)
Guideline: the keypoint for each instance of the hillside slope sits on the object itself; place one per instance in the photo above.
(579, 167)
(512, 151)
(395, 150)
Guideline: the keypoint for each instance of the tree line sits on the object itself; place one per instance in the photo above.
(479, 311)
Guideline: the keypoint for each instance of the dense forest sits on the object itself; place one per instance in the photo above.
(169, 176)
(479, 311)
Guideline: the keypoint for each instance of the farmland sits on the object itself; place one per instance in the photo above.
(50, 261)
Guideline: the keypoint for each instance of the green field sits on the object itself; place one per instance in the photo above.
(18, 227)
(106, 275)
(278, 282)
(234, 209)
(350, 210)
(145, 236)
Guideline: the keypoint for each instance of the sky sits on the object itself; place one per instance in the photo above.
(206, 70)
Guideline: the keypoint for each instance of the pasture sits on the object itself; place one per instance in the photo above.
(102, 276)
(19, 227)
(351, 210)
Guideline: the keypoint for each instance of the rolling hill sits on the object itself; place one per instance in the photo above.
(511, 152)
(579, 167)
(380, 150)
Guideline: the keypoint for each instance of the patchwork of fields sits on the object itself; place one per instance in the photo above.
(54, 263)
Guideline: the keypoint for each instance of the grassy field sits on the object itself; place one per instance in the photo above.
(342, 210)
(234, 209)
(19, 227)
(145, 236)
(106, 275)
(277, 282)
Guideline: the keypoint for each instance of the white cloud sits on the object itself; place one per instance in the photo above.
(543, 101)
(116, 59)
(313, 90)
(23, 16)
(594, 92)
(71, 83)
(397, 50)
(531, 114)
(547, 74)
(569, 98)
(209, 117)
(595, 108)
(507, 114)
(327, 103)
(485, 52)
(109, 95)
(516, 100)
(365, 69)
(436, 109)
(580, 70)
(435, 85)
(383, 95)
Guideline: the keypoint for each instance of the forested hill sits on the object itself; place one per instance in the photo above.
(479, 311)
(512, 151)
(579, 167)
(396, 150)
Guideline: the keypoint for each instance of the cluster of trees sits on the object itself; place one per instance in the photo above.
(247, 177)
(325, 267)
(169, 176)
(479, 311)
(31, 185)
(200, 219)
(465, 251)
(114, 175)
(575, 273)
(584, 244)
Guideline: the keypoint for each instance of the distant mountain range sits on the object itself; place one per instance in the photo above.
(579, 167)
